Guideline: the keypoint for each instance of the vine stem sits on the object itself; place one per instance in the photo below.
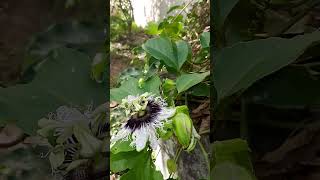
(183, 9)
(178, 154)
(176, 159)
(205, 154)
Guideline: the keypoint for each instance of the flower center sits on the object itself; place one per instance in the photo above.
(143, 117)
(141, 113)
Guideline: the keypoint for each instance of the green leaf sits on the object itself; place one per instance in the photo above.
(235, 151)
(205, 39)
(221, 10)
(183, 52)
(152, 28)
(84, 36)
(186, 81)
(125, 160)
(162, 49)
(171, 54)
(131, 87)
(62, 79)
(200, 89)
(230, 171)
(239, 66)
(152, 85)
(144, 169)
(122, 146)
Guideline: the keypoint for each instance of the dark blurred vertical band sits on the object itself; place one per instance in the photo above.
(107, 49)
(212, 89)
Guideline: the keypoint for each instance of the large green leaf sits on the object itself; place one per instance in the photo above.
(183, 52)
(171, 54)
(131, 87)
(125, 160)
(221, 10)
(186, 81)
(140, 165)
(239, 66)
(231, 156)
(233, 150)
(83, 36)
(200, 89)
(143, 170)
(62, 79)
(122, 146)
(230, 171)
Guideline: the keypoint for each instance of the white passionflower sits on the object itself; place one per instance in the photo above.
(144, 115)
(64, 123)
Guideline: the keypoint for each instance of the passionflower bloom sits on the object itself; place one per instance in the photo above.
(144, 114)
(77, 132)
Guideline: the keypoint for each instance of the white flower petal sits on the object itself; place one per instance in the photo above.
(166, 113)
(123, 134)
(140, 138)
(131, 98)
(153, 138)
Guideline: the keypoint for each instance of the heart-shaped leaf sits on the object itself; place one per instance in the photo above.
(186, 81)
(239, 66)
(173, 55)
(63, 79)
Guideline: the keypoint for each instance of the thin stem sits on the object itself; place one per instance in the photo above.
(176, 159)
(205, 155)
(178, 154)
(182, 10)
(186, 99)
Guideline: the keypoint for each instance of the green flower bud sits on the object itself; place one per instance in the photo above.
(183, 129)
(168, 85)
(141, 82)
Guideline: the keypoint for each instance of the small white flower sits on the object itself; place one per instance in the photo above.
(144, 115)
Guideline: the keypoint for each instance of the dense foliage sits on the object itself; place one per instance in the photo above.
(264, 56)
(173, 70)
